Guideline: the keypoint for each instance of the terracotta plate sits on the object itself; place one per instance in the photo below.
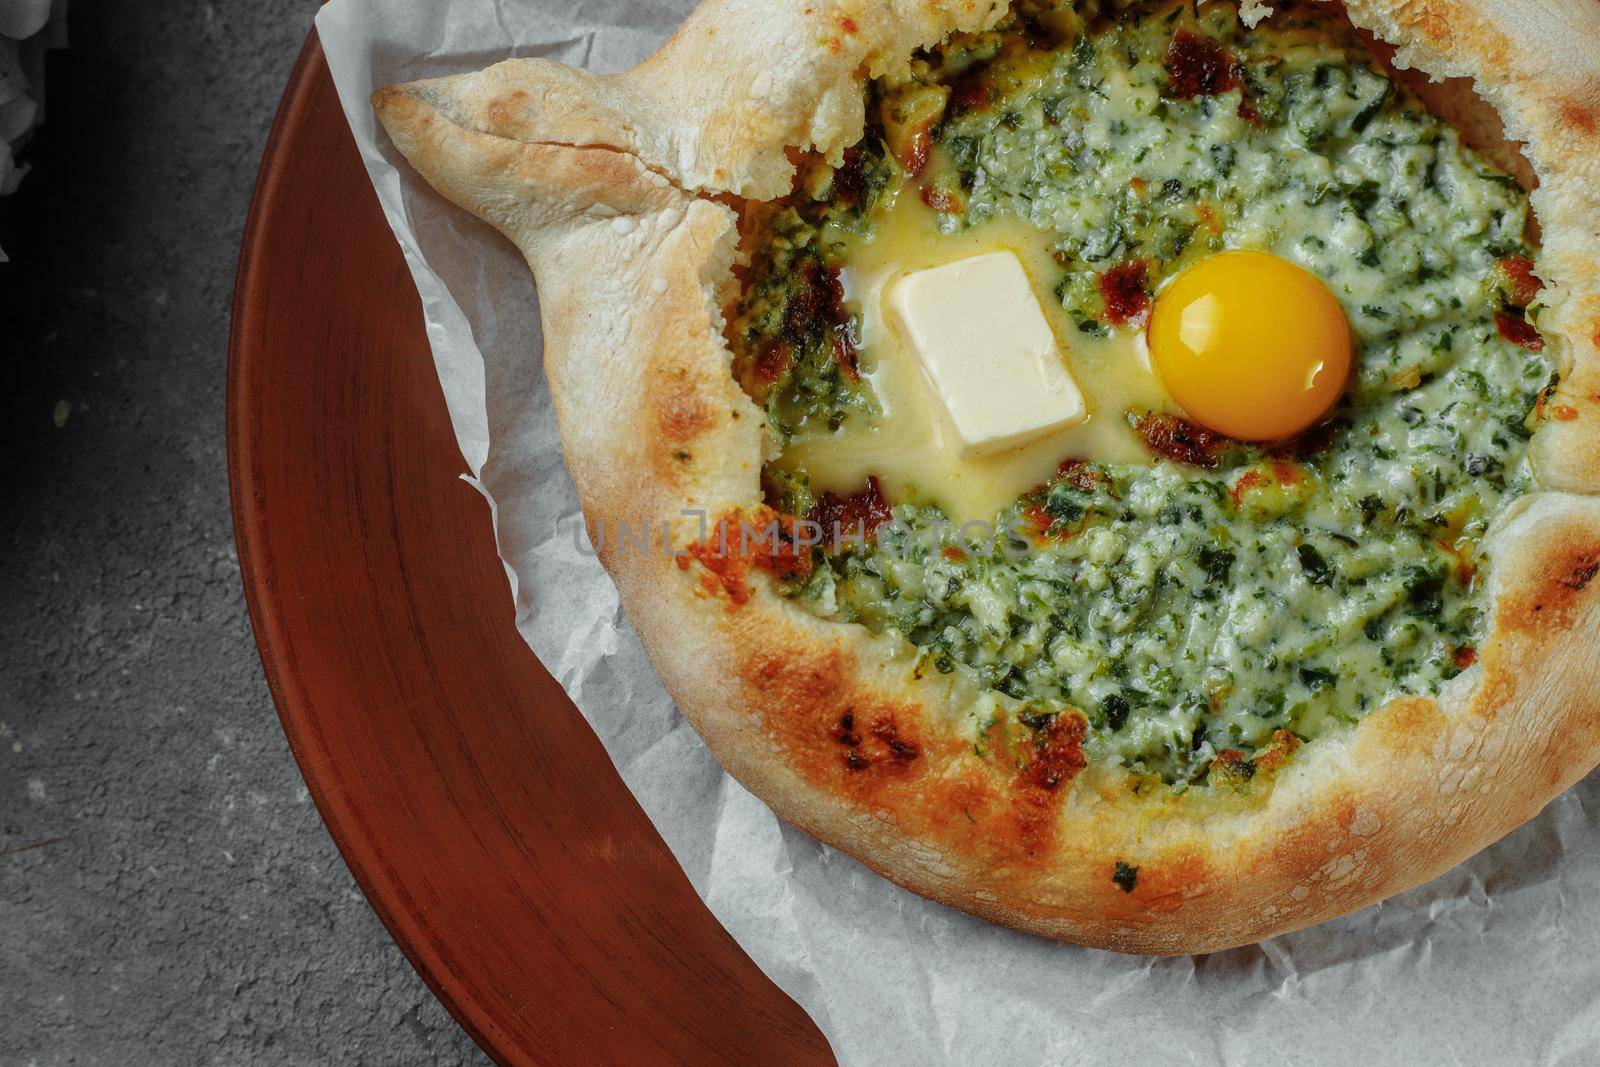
(478, 812)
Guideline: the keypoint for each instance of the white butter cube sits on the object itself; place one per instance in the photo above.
(986, 352)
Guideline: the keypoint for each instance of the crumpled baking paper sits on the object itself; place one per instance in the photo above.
(1497, 961)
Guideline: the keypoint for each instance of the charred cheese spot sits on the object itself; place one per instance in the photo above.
(1048, 759)
(764, 540)
(1245, 773)
(1057, 754)
(1522, 285)
(1180, 440)
(855, 517)
(1123, 288)
(1199, 66)
(1515, 327)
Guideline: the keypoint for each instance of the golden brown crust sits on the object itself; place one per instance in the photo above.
(606, 185)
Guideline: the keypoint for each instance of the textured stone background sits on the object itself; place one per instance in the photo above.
(168, 894)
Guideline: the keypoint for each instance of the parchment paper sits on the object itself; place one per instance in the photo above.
(1496, 962)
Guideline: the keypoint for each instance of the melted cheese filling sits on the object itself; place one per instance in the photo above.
(1200, 617)
(910, 449)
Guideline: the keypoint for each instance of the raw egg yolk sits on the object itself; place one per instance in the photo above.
(1250, 345)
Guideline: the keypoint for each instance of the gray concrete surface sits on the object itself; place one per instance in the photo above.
(168, 894)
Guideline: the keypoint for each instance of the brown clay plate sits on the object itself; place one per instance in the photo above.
(479, 813)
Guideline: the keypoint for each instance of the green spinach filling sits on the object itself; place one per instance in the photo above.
(1195, 607)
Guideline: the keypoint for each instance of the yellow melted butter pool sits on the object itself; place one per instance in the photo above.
(911, 449)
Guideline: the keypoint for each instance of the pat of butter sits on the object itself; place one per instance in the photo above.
(986, 352)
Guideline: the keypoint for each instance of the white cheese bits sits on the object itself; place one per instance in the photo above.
(986, 352)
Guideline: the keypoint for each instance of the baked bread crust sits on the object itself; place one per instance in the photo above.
(617, 190)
